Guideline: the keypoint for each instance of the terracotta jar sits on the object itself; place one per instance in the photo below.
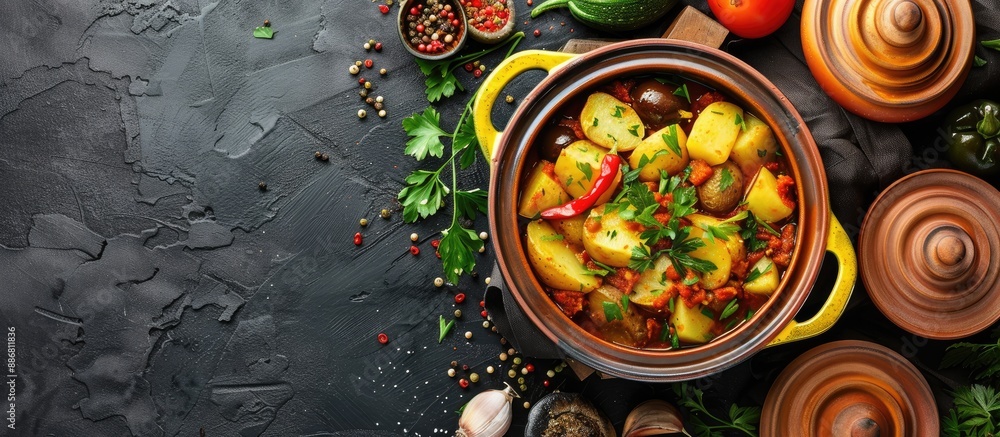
(889, 60)
(572, 75)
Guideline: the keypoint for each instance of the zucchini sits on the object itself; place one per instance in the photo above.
(611, 15)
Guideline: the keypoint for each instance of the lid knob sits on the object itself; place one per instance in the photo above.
(949, 252)
(906, 16)
(865, 427)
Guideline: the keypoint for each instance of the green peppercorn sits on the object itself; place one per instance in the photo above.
(512, 373)
(509, 99)
(474, 377)
(517, 360)
(520, 380)
(385, 213)
(363, 222)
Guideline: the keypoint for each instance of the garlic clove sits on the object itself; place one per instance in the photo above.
(653, 417)
(488, 414)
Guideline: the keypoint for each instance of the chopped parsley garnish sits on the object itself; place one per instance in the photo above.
(634, 130)
(761, 153)
(553, 237)
(757, 273)
(444, 328)
(726, 180)
(730, 309)
(670, 139)
(595, 121)
(724, 229)
(612, 311)
(683, 92)
(618, 111)
(586, 169)
(741, 122)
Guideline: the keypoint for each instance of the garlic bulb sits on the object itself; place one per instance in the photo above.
(487, 415)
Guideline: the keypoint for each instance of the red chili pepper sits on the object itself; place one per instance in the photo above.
(460, 297)
(414, 250)
(357, 239)
(382, 338)
(384, 9)
(604, 181)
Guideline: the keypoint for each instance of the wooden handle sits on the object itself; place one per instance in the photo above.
(690, 25)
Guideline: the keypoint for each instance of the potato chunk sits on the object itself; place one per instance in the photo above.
(767, 277)
(666, 149)
(714, 250)
(763, 199)
(571, 228)
(691, 325)
(579, 165)
(541, 191)
(714, 132)
(608, 238)
(610, 122)
(754, 146)
(556, 262)
(652, 283)
(617, 323)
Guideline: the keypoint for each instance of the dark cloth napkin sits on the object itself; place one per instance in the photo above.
(861, 157)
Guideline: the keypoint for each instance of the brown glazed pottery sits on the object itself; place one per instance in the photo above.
(889, 60)
(850, 388)
(574, 75)
(930, 254)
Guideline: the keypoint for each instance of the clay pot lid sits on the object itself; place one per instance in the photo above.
(889, 60)
(929, 253)
(850, 388)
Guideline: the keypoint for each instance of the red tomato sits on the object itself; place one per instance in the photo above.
(752, 18)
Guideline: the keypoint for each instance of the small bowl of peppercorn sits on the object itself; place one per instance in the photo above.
(432, 29)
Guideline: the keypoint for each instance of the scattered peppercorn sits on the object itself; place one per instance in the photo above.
(363, 222)
(382, 338)
(379, 99)
(362, 81)
(385, 213)
(487, 281)
(262, 186)
(368, 85)
(509, 98)
(469, 67)
(318, 154)
(438, 282)
(324, 157)
(362, 113)
(483, 235)
(384, 9)
(524, 371)
(451, 373)
(460, 297)
(490, 370)
(527, 404)
(503, 356)
(358, 239)
(363, 93)
(357, 63)
(517, 360)
(353, 69)
(367, 46)
(486, 324)
(482, 304)
(511, 373)
(530, 2)
(468, 335)
(435, 243)
(378, 106)
(369, 63)
(369, 101)
(464, 383)
(454, 363)
(545, 383)
(530, 367)
(381, 113)
(474, 377)
(458, 314)
(267, 23)
(378, 48)
(414, 250)
(550, 374)
(537, 33)
(484, 314)
(520, 380)
(477, 73)
(383, 71)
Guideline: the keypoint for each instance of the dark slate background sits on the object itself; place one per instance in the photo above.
(156, 291)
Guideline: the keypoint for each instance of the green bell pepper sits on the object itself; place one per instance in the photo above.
(973, 134)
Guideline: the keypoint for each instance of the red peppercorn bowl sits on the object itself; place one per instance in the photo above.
(571, 75)
(461, 35)
(496, 33)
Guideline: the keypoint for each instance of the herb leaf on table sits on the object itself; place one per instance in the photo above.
(976, 413)
(705, 424)
(425, 134)
(983, 358)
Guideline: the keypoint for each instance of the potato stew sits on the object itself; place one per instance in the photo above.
(657, 214)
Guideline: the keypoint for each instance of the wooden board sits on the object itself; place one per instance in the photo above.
(690, 25)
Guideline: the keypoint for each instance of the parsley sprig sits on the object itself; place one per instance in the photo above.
(984, 358)
(976, 413)
(441, 81)
(425, 191)
(637, 203)
(705, 424)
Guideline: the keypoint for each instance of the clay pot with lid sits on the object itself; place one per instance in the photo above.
(930, 254)
(889, 60)
(570, 76)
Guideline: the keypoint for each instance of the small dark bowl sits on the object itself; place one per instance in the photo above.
(460, 40)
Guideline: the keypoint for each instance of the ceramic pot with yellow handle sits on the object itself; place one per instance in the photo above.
(571, 75)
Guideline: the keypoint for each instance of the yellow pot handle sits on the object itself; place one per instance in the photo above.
(493, 85)
(840, 245)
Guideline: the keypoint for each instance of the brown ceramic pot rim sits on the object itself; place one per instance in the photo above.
(736, 80)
